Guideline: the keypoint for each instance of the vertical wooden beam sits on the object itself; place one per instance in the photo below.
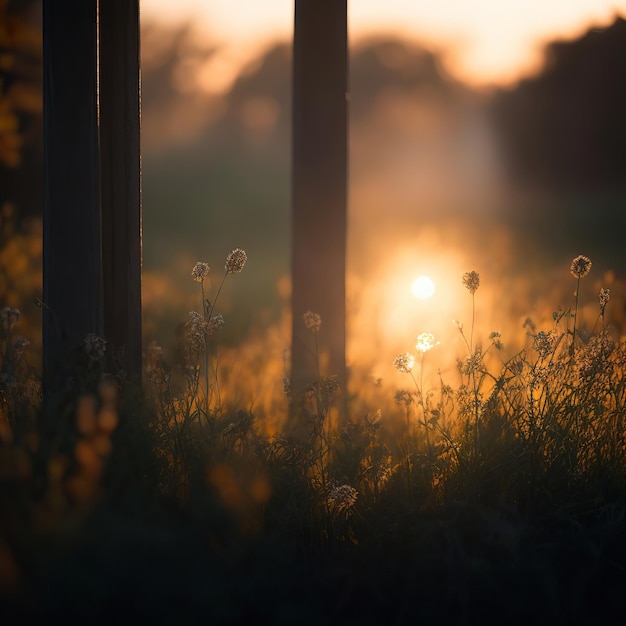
(72, 281)
(120, 166)
(319, 184)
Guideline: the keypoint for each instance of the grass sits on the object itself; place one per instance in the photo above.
(499, 499)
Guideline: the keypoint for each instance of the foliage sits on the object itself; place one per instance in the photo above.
(501, 495)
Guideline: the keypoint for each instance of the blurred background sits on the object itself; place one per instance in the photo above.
(490, 138)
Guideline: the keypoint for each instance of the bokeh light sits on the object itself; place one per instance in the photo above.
(423, 287)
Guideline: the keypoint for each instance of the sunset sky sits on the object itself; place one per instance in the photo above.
(484, 41)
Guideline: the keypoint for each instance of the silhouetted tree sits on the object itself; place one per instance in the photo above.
(565, 128)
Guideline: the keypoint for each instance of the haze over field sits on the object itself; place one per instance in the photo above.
(444, 178)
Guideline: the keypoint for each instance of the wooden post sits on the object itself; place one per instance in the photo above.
(120, 169)
(92, 197)
(72, 276)
(319, 187)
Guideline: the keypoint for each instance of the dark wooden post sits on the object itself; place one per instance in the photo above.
(92, 197)
(72, 276)
(319, 187)
(121, 181)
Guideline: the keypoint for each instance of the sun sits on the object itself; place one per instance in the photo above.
(423, 287)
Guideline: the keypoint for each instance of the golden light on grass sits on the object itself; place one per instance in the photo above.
(423, 287)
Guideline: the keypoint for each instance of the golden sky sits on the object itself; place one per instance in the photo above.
(484, 41)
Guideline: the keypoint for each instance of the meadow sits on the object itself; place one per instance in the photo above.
(481, 482)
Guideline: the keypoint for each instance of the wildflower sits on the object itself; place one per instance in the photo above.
(381, 471)
(543, 343)
(541, 375)
(312, 321)
(196, 328)
(604, 297)
(472, 364)
(236, 261)
(595, 358)
(558, 315)
(471, 280)
(194, 318)
(496, 340)
(200, 271)
(196, 342)
(447, 391)
(402, 396)
(426, 342)
(341, 499)
(94, 346)
(580, 266)
(404, 362)
(215, 323)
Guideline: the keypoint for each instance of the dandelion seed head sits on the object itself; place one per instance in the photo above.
(312, 321)
(580, 266)
(236, 261)
(200, 271)
(425, 342)
(404, 362)
(471, 280)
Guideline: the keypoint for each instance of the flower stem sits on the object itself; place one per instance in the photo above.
(575, 316)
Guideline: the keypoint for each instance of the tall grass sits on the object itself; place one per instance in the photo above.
(504, 487)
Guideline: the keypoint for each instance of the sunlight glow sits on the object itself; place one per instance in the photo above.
(482, 42)
(423, 287)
